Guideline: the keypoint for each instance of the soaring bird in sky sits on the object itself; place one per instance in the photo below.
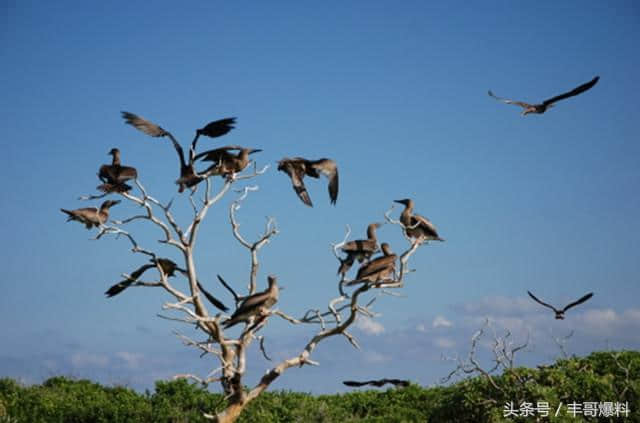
(297, 168)
(378, 383)
(547, 104)
(560, 313)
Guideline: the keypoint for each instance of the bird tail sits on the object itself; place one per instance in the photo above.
(69, 213)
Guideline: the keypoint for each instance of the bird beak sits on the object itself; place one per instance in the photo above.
(255, 150)
(399, 201)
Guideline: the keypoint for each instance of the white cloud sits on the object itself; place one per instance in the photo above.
(85, 359)
(369, 326)
(443, 342)
(375, 357)
(441, 321)
(421, 327)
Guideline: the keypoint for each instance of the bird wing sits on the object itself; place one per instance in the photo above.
(144, 125)
(122, 285)
(126, 173)
(226, 285)
(578, 90)
(376, 265)
(251, 303)
(212, 129)
(507, 101)
(296, 173)
(213, 300)
(329, 169)
(360, 245)
(540, 302)
(424, 222)
(580, 301)
(154, 130)
(217, 127)
(354, 383)
(216, 154)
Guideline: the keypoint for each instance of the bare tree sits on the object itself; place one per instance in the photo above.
(189, 307)
(503, 351)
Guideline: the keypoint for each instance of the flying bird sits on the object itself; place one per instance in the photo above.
(255, 304)
(378, 383)
(226, 163)
(168, 268)
(560, 313)
(91, 216)
(189, 178)
(359, 249)
(378, 269)
(297, 168)
(416, 226)
(547, 104)
(115, 175)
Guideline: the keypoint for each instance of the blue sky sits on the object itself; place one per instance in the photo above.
(397, 95)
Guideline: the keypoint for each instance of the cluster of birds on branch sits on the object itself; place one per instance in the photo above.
(224, 161)
(229, 160)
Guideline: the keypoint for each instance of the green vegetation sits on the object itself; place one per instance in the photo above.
(600, 377)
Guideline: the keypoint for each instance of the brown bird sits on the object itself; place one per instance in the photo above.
(378, 383)
(298, 167)
(547, 104)
(91, 216)
(225, 162)
(168, 268)
(378, 269)
(416, 226)
(560, 313)
(359, 249)
(115, 175)
(188, 176)
(255, 304)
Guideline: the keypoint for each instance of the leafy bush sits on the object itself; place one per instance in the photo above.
(602, 376)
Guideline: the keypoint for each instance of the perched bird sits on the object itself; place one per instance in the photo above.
(359, 249)
(188, 176)
(378, 269)
(298, 167)
(560, 313)
(115, 175)
(168, 268)
(416, 226)
(226, 163)
(378, 383)
(91, 216)
(547, 104)
(255, 304)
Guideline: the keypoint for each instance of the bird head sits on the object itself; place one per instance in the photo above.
(113, 152)
(386, 249)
